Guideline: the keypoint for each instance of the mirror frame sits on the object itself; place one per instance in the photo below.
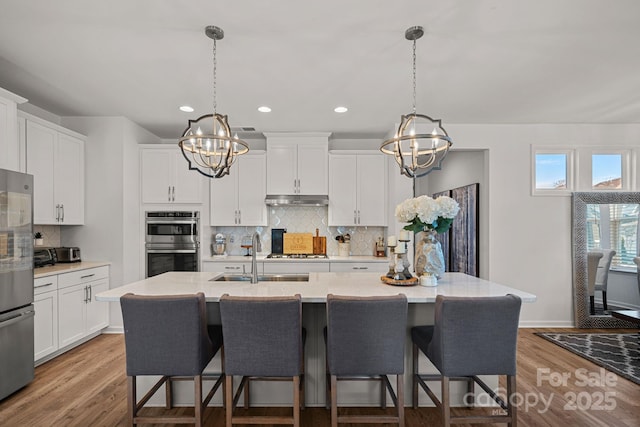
(583, 319)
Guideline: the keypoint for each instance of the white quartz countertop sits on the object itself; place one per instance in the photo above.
(263, 258)
(313, 291)
(60, 268)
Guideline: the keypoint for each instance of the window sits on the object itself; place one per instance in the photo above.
(552, 171)
(614, 226)
(606, 171)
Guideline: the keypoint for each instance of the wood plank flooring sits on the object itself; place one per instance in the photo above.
(87, 387)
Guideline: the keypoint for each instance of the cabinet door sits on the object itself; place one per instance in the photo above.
(187, 183)
(372, 190)
(223, 199)
(156, 167)
(45, 324)
(97, 311)
(40, 154)
(252, 190)
(71, 314)
(312, 168)
(281, 168)
(342, 189)
(69, 179)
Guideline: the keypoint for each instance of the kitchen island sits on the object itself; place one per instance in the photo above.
(314, 294)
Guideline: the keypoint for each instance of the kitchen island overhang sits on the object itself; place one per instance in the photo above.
(314, 294)
(313, 291)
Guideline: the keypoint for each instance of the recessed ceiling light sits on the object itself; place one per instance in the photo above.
(341, 109)
(186, 109)
(264, 109)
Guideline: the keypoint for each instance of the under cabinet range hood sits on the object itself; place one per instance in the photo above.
(296, 200)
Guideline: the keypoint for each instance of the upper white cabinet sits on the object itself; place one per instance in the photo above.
(357, 189)
(55, 158)
(11, 151)
(166, 177)
(297, 163)
(238, 198)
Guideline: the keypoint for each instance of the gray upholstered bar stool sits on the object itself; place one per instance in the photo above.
(471, 336)
(365, 341)
(593, 263)
(263, 341)
(168, 336)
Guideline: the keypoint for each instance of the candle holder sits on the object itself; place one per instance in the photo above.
(405, 260)
(392, 263)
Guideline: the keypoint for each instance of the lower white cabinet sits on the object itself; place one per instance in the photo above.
(79, 313)
(45, 303)
(230, 267)
(296, 267)
(359, 267)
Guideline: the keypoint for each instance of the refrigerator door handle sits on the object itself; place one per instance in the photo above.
(17, 318)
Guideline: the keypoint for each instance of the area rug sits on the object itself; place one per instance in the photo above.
(619, 353)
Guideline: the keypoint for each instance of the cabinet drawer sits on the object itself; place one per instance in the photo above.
(230, 267)
(362, 267)
(45, 284)
(296, 267)
(82, 276)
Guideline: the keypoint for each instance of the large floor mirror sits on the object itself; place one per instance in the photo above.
(588, 209)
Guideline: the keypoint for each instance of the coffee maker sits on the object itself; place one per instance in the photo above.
(219, 246)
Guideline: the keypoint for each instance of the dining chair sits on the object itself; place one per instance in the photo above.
(471, 336)
(263, 342)
(602, 275)
(168, 336)
(593, 261)
(365, 340)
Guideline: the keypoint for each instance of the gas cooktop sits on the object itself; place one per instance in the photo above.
(298, 256)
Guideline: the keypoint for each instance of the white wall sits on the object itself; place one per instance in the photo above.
(112, 201)
(529, 238)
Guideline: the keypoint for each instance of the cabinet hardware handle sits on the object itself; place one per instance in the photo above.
(42, 286)
(358, 216)
(57, 213)
(168, 193)
(360, 268)
(90, 293)
(239, 216)
(88, 275)
(62, 208)
(85, 294)
(355, 216)
(231, 268)
(173, 194)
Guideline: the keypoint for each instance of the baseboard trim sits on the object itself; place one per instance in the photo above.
(546, 324)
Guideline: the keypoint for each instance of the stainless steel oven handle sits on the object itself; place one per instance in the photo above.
(172, 251)
(171, 222)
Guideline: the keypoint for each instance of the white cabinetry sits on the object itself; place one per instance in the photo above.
(45, 303)
(299, 267)
(166, 177)
(238, 198)
(359, 267)
(297, 163)
(55, 158)
(230, 267)
(79, 314)
(357, 189)
(11, 152)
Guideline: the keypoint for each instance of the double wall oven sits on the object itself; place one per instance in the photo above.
(172, 241)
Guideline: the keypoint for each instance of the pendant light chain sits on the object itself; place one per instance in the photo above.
(215, 66)
(414, 76)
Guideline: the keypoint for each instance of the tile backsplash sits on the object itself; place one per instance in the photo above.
(50, 234)
(302, 220)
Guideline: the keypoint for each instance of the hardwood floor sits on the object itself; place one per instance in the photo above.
(87, 387)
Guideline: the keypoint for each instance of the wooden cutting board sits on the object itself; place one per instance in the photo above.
(298, 243)
(319, 244)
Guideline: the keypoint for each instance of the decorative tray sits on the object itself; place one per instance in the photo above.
(406, 282)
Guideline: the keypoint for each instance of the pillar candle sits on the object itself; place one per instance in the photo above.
(391, 241)
(400, 249)
(404, 235)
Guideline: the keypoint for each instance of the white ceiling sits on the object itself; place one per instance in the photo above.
(491, 61)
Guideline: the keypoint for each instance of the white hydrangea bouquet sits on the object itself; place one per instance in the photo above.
(424, 213)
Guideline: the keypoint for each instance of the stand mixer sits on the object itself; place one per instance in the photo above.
(219, 245)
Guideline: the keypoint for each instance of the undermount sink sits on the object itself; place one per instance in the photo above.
(262, 278)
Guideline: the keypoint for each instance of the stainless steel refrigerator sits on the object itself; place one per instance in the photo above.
(16, 281)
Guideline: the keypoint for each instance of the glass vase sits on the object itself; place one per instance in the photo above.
(429, 257)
